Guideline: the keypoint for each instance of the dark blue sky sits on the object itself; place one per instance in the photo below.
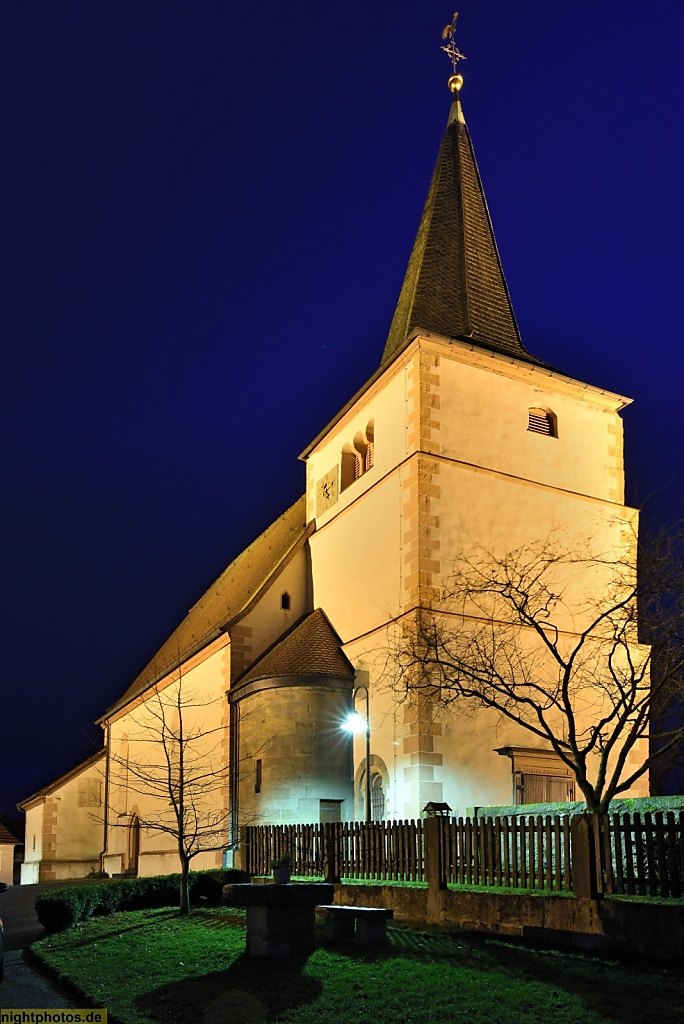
(206, 216)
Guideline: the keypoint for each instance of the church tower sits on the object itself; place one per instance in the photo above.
(461, 440)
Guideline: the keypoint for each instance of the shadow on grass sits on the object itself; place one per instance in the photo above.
(625, 993)
(117, 928)
(629, 992)
(251, 991)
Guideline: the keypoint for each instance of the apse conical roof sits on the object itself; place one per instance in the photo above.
(312, 648)
(454, 284)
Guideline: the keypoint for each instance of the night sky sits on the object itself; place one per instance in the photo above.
(206, 216)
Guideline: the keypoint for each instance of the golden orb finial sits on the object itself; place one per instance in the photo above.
(455, 83)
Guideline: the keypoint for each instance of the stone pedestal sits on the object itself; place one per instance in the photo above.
(280, 918)
(280, 931)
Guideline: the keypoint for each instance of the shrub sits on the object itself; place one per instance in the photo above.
(208, 885)
(58, 909)
(55, 912)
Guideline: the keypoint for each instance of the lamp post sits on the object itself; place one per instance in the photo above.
(355, 723)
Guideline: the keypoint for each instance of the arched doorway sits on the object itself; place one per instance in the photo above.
(132, 846)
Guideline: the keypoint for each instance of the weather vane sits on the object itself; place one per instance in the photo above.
(453, 52)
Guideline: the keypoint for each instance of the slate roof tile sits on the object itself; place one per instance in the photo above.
(311, 648)
(454, 284)
(6, 837)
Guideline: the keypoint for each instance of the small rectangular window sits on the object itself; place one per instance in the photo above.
(89, 793)
(330, 810)
(257, 775)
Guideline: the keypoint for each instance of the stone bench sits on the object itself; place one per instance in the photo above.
(367, 926)
(280, 918)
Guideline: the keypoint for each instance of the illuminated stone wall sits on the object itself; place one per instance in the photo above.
(296, 732)
(456, 469)
(65, 827)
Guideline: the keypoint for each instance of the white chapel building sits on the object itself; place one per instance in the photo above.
(460, 438)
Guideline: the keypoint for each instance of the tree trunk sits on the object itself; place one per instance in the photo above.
(184, 888)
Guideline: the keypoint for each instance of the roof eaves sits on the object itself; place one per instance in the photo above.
(360, 393)
(131, 698)
(415, 333)
(205, 641)
(532, 363)
(278, 568)
(314, 680)
(8, 838)
(62, 780)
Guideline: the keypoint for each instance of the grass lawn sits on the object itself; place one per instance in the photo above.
(152, 967)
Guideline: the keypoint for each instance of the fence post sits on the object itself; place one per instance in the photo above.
(245, 849)
(331, 870)
(583, 857)
(435, 876)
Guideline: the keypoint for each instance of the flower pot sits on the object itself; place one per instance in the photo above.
(281, 876)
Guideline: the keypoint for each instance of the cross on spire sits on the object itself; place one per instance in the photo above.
(451, 50)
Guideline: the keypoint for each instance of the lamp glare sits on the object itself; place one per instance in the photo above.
(355, 723)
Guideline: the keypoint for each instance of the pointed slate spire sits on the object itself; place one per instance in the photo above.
(454, 283)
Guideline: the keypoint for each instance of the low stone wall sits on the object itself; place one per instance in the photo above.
(408, 904)
(56, 870)
(165, 862)
(609, 926)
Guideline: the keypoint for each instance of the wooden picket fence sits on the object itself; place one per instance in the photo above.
(304, 843)
(386, 850)
(641, 856)
(530, 853)
(633, 854)
(526, 852)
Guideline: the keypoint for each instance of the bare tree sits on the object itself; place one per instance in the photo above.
(579, 650)
(174, 762)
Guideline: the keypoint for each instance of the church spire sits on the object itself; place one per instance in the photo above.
(454, 283)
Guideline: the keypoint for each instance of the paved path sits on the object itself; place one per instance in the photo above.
(25, 985)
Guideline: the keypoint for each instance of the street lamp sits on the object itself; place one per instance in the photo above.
(355, 723)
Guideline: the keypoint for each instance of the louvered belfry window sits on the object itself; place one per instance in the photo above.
(541, 422)
(357, 456)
